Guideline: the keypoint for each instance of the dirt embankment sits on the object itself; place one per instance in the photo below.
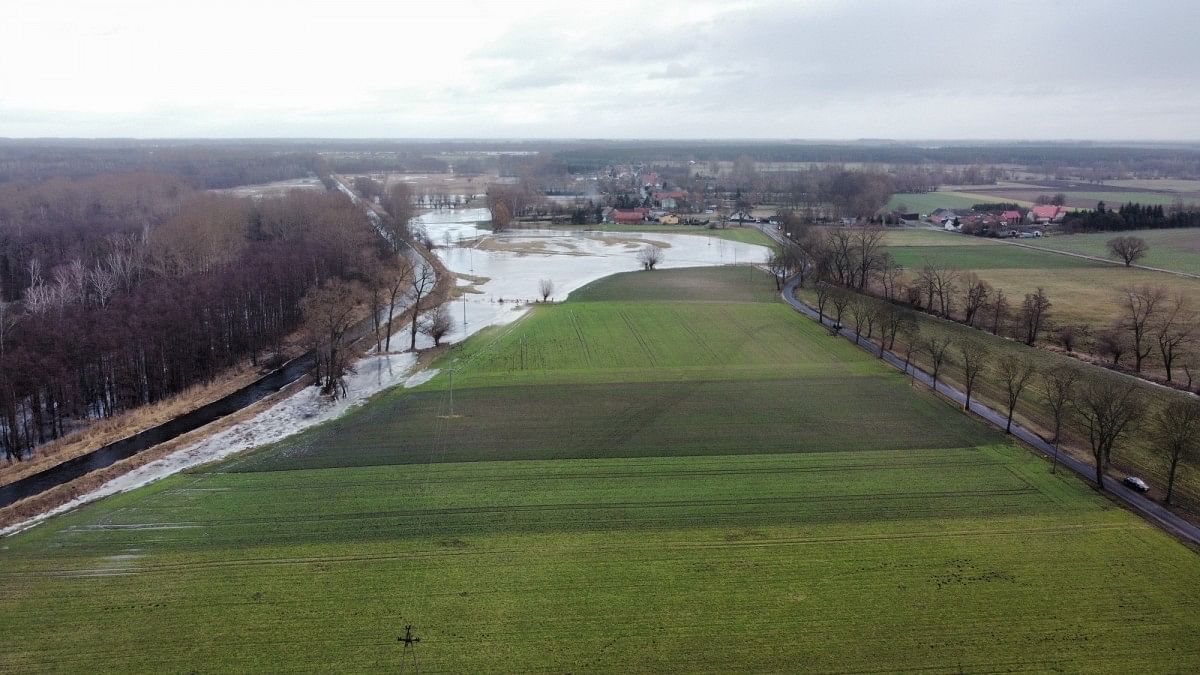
(140, 419)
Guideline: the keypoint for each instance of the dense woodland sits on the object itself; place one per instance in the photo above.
(1130, 217)
(120, 290)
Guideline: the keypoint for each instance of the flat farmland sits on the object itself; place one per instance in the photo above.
(1089, 199)
(1083, 291)
(634, 480)
(1170, 249)
(927, 202)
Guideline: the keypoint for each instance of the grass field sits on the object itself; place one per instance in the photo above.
(1083, 291)
(1088, 199)
(1176, 249)
(927, 202)
(1173, 185)
(666, 473)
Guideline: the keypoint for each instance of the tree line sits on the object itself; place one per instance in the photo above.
(119, 291)
(1131, 216)
(856, 282)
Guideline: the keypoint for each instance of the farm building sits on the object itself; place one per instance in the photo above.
(629, 216)
(1048, 214)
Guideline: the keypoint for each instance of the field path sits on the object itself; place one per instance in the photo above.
(1099, 259)
(1151, 510)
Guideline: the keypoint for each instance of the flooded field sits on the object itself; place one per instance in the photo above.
(504, 270)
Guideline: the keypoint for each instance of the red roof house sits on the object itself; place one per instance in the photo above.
(629, 216)
(1048, 213)
(1011, 216)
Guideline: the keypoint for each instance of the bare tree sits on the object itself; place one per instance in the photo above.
(437, 323)
(1176, 427)
(1173, 330)
(978, 292)
(1107, 408)
(9, 318)
(1112, 343)
(650, 256)
(1127, 249)
(1058, 391)
(398, 283)
(868, 240)
(864, 311)
(1016, 374)
(890, 273)
(328, 313)
(840, 298)
(1069, 335)
(1139, 305)
(910, 332)
(998, 308)
(546, 288)
(945, 282)
(937, 347)
(974, 356)
(401, 209)
(1189, 361)
(501, 217)
(423, 281)
(823, 289)
(780, 264)
(1034, 312)
(890, 319)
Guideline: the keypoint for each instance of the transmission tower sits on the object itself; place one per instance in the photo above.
(410, 649)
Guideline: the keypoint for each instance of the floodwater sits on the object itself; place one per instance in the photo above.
(569, 259)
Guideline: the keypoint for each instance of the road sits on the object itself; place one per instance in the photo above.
(1147, 508)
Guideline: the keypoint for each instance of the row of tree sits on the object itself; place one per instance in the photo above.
(130, 299)
(1131, 216)
(1151, 324)
(1102, 409)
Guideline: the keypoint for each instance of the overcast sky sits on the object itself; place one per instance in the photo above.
(832, 69)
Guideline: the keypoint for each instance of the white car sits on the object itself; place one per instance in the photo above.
(1135, 483)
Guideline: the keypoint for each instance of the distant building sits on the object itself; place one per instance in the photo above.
(651, 180)
(1048, 213)
(629, 216)
(1011, 217)
(669, 200)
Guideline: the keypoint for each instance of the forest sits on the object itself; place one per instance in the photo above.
(119, 290)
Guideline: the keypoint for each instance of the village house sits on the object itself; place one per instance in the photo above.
(1048, 214)
(628, 216)
(670, 200)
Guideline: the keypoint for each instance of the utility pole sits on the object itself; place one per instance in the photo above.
(410, 649)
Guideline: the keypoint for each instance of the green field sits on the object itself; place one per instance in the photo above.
(927, 202)
(1176, 249)
(1083, 291)
(669, 472)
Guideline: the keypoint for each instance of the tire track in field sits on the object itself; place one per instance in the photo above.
(637, 335)
(587, 349)
(696, 336)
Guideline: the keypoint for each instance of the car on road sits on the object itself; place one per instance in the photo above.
(1135, 483)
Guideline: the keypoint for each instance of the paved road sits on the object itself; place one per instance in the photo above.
(1149, 509)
